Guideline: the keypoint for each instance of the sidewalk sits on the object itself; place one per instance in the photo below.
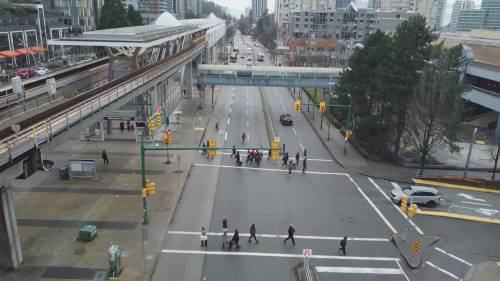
(352, 160)
(50, 211)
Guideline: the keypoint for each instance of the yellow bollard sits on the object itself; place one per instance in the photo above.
(404, 203)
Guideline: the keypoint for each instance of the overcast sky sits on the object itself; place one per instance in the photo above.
(237, 7)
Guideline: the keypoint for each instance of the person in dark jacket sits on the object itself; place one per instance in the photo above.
(104, 157)
(285, 160)
(238, 158)
(304, 165)
(233, 153)
(297, 158)
(122, 126)
(291, 231)
(236, 238)
(224, 226)
(203, 237)
(252, 233)
(343, 243)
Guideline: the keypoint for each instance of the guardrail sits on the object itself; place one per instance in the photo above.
(44, 130)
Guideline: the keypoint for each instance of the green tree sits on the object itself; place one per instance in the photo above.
(244, 25)
(133, 16)
(433, 106)
(266, 31)
(113, 15)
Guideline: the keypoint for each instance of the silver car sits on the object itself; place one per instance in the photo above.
(423, 195)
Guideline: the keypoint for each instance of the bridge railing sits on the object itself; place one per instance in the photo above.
(44, 130)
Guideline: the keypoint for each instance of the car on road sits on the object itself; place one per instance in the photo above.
(26, 73)
(256, 45)
(421, 195)
(42, 70)
(286, 119)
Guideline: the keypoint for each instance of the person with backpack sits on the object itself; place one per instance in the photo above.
(236, 238)
(203, 237)
(252, 234)
(343, 243)
(291, 231)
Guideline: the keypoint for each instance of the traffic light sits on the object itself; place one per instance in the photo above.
(157, 121)
(149, 189)
(212, 151)
(412, 211)
(275, 149)
(404, 203)
(297, 105)
(167, 137)
(322, 106)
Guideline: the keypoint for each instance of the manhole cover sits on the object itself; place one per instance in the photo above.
(80, 251)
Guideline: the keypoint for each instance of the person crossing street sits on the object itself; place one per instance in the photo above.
(343, 243)
(304, 164)
(252, 234)
(297, 158)
(291, 231)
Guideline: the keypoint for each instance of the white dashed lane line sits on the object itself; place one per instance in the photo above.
(228, 120)
(295, 132)
(443, 270)
(225, 136)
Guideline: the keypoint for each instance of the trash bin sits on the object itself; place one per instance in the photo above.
(63, 173)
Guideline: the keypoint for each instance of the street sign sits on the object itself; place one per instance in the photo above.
(415, 246)
(198, 129)
(307, 252)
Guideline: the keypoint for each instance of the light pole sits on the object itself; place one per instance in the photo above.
(470, 152)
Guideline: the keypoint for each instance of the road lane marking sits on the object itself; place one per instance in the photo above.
(233, 93)
(475, 203)
(232, 102)
(443, 270)
(373, 205)
(396, 185)
(230, 110)
(470, 197)
(247, 103)
(404, 273)
(281, 101)
(248, 124)
(293, 129)
(247, 111)
(248, 138)
(362, 270)
(395, 206)
(268, 169)
(453, 256)
(301, 146)
(283, 107)
(225, 136)
(277, 255)
(311, 237)
(228, 120)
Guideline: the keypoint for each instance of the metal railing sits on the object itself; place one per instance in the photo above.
(44, 130)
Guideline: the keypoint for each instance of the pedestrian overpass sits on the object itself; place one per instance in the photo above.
(270, 76)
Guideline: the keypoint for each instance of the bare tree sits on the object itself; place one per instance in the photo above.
(433, 107)
(495, 153)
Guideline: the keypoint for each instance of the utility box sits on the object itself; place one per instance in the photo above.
(115, 261)
(87, 233)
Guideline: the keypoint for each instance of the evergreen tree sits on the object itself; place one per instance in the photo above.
(133, 16)
(113, 15)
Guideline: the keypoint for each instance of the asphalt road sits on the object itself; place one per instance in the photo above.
(324, 204)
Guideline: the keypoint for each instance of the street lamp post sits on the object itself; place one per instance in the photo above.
(470, 152)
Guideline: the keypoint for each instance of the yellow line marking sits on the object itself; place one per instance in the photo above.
(458, 216)
(480, 142)
(455, 186)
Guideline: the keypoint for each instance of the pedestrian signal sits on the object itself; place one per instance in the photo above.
(297, 105)
(322, 106)
(404, 203)
(348, 133)
(412, 211)
(149, 188)
(275, 150)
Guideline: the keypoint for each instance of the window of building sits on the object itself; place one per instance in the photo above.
(305, 25)
(306, 19)
(297, 25)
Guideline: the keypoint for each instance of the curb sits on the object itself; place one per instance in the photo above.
(318, 134)
(271, 131)
(458, 216)
(456, 186)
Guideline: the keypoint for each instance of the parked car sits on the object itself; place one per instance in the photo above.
(422, 195)
(26, 73)
(42, 70)
(286, 119)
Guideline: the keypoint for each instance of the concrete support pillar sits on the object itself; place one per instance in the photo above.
(497, 129)
(201, 92)
(10, 246)
(188, 81)
(111, 64)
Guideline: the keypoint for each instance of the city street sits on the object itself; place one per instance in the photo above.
(324, 204)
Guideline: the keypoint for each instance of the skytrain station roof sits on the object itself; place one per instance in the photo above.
(165, 28)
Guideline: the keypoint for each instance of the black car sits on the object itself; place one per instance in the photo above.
(286, 119)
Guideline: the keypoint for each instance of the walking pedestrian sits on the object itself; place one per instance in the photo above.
(343, 243)
(236, 238)
(224, 226)
(104, 157)
(285, 160)
(305, 152)
(243, 137)
(269, 153)
(233, 153)
(297, 158)
(203, 237)
(128, 125)
(252, 234)
(284, 150)
(132, 128)
(304, 164)
(122, 126)
(290, 166)
(291, 231)
(238, 159)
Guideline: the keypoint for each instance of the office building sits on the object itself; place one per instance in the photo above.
(457, 7)
(375, 4)
(258, 8)
(397, 5)
(487, 16)
(152, 9)
(341, 3)
(492, 13)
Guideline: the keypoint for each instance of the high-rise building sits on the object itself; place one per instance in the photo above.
(457, 7)
(258, 8)
(342, 3)
(397, 5)
(192, 8)
(438, 13)
(487, 17)
(375, 4)
(152, 9)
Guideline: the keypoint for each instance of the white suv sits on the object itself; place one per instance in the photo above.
(424, 195)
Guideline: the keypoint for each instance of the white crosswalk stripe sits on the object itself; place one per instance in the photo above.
(363, 270)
